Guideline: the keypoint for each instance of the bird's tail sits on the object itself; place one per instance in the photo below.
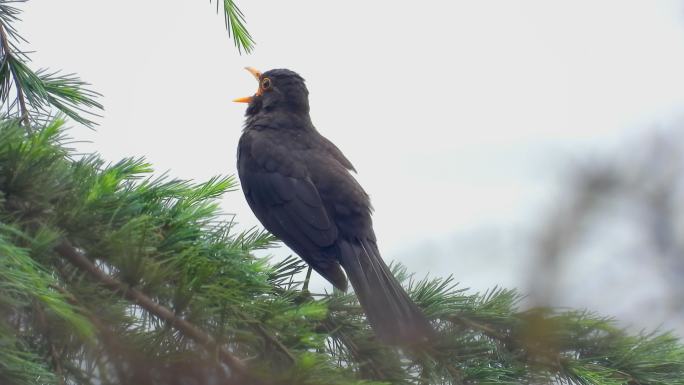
(394, 317)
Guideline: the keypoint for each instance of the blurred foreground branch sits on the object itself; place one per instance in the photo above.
(624, 211)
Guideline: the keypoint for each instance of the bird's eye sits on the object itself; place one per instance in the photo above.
(266, 84)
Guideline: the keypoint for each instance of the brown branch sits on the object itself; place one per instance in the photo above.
(275, 342)
(270, 338)
(79, 260)
(23, 111)
(486, 329)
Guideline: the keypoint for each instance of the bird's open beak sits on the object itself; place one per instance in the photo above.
(257, 75)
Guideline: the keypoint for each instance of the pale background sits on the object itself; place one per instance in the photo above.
(457, 114)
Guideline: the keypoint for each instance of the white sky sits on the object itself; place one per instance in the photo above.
(457, 114)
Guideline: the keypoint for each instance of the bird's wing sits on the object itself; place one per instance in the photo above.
(279, 188)
(291, 208)
(337, 154)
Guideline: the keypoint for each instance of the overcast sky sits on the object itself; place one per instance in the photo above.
(457, 114)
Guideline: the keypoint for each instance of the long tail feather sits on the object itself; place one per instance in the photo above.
(393, 316)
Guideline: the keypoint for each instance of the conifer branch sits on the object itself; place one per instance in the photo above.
(79, 260)
(176, 283)
(272, 339)
(38, 93)
(7, 56)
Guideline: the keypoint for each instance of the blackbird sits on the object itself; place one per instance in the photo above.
(299, 185)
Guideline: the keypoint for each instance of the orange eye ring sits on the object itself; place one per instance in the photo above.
(266, 84)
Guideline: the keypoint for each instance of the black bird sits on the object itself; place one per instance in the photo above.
(299, 186)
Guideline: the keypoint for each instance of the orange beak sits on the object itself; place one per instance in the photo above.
(257, 75)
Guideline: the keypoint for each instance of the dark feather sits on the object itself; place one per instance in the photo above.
(391, 312)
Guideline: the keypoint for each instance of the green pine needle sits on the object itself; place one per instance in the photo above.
(235, 24)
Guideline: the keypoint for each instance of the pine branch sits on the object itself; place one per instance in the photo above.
(270, 338)
(40, 93)
(167, 258)
(7, 54)
(68, 252)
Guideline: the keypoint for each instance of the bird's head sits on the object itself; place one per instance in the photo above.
(279, 89)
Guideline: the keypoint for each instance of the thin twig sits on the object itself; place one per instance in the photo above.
(272, 339)
(275, 341)
(489, 331)
(79, 260)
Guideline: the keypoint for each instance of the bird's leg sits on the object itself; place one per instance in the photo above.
(305, 295)
(305, 288)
